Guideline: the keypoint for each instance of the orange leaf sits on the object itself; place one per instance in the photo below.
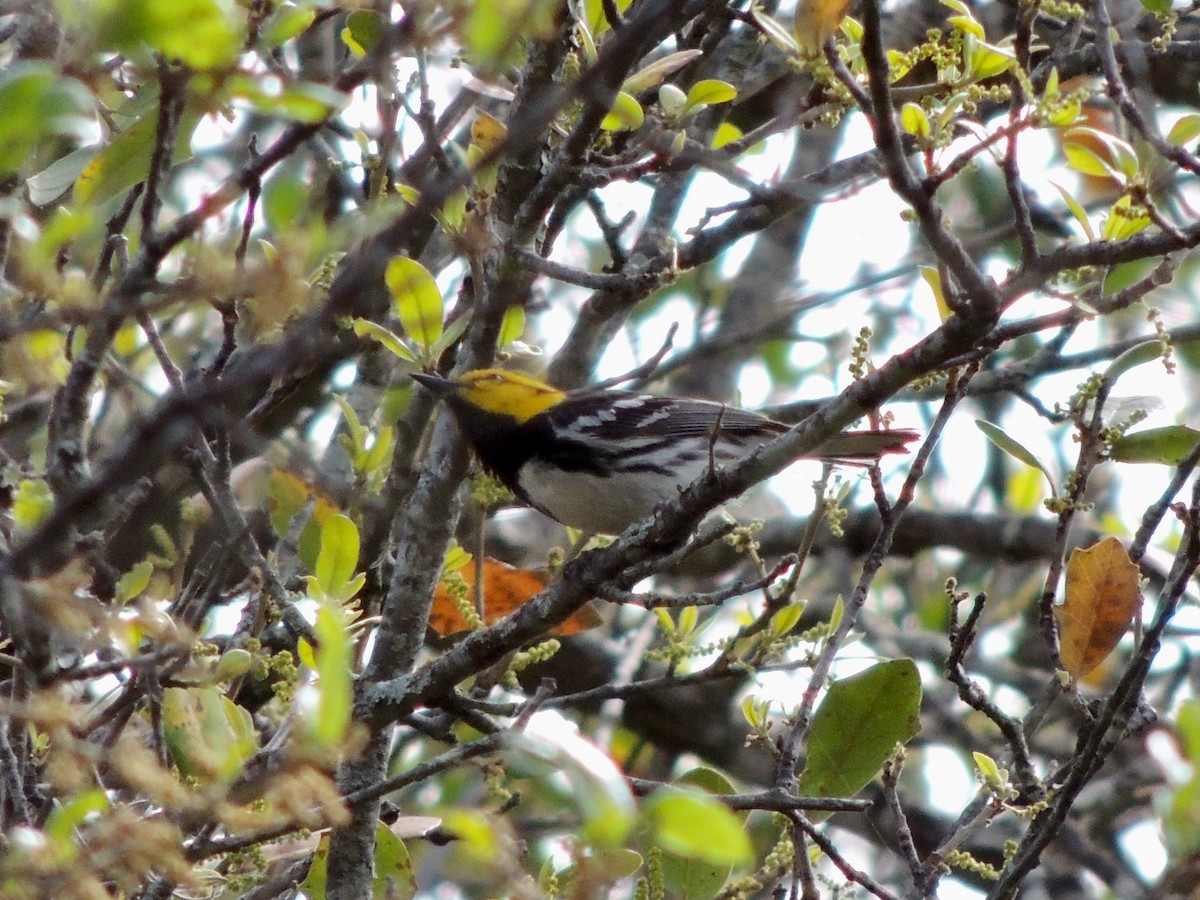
(1102, 596)
(505, 589)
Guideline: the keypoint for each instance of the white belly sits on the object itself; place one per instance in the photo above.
(590, 502)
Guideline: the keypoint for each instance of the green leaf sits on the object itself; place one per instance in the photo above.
(380, 453)
(334, 658)
(363, 30)
(288, 21)
(597, 874)
(838, 613)
(513, 325)
(783, 621)
(1179, 803)
(726, 133)
(316, 881)
(417, 298)
(35, 103)
(134, 581)
(710, 92)
(456, 558)
(1085, 161)
(303, 101)
(968, 25)
(475, 830)
(338, 557)
(1125, 274)
(125, 159)
(233, 664)
(453, 332)
(1077, 210)
(993, 776)
(358, 434)
(626, 114)
(592, 782)
(1185, 130)
(595, 17)
(1023, 493)
(1124, 220)
(495, 31)
(308, 656)
(898, 65)
(986, 60)
(1140, 354)
(1158, 7)
(707, 779)
(587, 41)
(1014, 448)
(204, 34)
(61, 824)
(691, 878)
(1167, 446)
(857, 726)
(394, 875)
(31, 503)
(695, 825)
(285, 197)
(1115, 159)
(366, 328)
(689, 618)
(1066, 115)
(209, 736)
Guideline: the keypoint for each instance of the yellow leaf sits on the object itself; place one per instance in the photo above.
(487, 132)
(1101, 598)
(817, 21)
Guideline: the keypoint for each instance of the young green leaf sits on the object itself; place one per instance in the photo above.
(1185, 130)
(134, 581)
(1077, 211)
(1147, 351)
(334, 679)
(337, 560)
(696, 825)
(1124, 220)
(710, 92)
(1014, 448)
(512, 326)
(626, 114)
(417, 298)
(1167, 446)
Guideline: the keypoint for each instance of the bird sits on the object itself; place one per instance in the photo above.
(600, 460)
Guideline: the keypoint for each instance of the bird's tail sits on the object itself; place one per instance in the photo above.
(864, 446)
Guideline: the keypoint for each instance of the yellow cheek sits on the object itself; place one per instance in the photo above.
(519, 401)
